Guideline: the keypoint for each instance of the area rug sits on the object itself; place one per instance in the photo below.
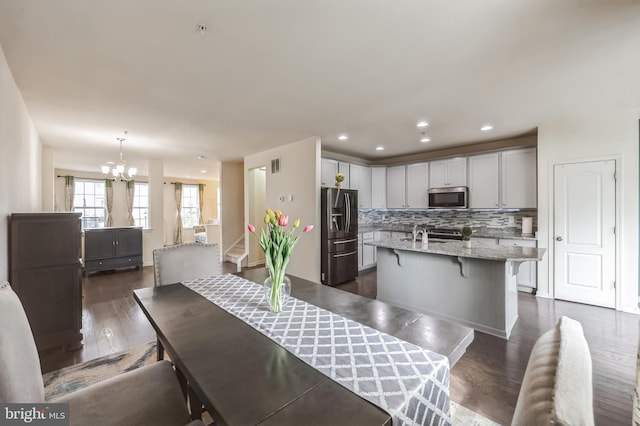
(69, 379)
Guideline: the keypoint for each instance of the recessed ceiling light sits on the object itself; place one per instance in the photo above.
(343, 137)
(486, 128)
(201, 157)
(379, 148)
(422, 124)
(425, 139)
(203, 171)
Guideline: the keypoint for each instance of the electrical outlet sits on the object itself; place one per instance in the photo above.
(512, 220)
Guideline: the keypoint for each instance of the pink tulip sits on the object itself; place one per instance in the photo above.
(251, 228)
(283, 220)
(307, 228)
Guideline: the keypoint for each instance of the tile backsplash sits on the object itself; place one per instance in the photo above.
(449, 218)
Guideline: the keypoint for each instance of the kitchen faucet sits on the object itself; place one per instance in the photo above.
(416, 232)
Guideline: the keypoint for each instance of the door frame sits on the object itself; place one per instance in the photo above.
(617, 159)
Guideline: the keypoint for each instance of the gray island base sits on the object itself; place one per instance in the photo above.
(475, 287)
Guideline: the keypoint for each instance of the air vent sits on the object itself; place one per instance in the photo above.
(275, 166)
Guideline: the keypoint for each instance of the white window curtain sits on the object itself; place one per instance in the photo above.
(177, 235)
(69, 192)
(131, 190)
(200, 203)
(108, 185)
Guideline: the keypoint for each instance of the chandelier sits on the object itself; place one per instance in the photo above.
(119, 170)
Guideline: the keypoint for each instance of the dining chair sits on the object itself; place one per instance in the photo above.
(557, 385)
(181, 262)
(146, 395)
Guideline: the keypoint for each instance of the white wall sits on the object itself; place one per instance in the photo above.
(300, 177)
(608, 134)
(20, 159)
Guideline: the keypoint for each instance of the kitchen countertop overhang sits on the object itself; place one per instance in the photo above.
(454, 248)
(482, 233)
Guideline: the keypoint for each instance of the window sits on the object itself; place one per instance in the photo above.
(190, 206)
(141, 204)
(89, 199)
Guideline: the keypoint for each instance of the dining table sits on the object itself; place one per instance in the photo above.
(249, 366)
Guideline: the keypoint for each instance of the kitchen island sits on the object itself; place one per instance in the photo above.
(474, 286)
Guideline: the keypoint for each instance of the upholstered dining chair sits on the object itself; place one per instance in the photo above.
(147, 395)
(557, 384)
(181, 262)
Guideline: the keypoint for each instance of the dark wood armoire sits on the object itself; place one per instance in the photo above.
(45, 271)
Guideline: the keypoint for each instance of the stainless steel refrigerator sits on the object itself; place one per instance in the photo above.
(339, 235)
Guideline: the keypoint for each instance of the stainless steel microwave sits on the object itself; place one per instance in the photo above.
(456, 197)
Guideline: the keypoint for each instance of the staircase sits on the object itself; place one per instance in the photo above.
(236, 254)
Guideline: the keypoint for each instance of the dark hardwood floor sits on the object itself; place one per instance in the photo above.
(486, 379)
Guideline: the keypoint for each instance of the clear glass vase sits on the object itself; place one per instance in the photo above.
(278, 298)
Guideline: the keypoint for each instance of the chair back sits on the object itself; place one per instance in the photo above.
(20, 374)
(557, 385)
(183, 262)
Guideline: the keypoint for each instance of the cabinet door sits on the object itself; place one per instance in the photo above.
(519, 178)
(457, 171)
(379, 187)
(345, 169)
(128, 242)
(99, 244)
(360, 252)
(368, 252)
(329, 169)
(396, 180)
(361, 181)
(417, 185)
(438, 174)
(484, 181)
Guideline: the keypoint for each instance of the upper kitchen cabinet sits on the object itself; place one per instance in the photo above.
(417, 185)
(503, 180)
(345, 169)
(379, 187)
(396, 181)
(484, 181)
(329, 169)
(451, 172)
(360, 179)
(518, 178)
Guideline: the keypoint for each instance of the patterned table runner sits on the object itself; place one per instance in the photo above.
(409, 382)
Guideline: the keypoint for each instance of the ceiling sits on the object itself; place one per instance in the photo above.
(266, 73)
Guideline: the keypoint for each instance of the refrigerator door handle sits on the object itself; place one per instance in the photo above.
(345, 241)
(347, 205)
(346, 254)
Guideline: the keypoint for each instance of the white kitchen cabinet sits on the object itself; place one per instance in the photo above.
(329, 169)
(450, 172)
(484, 181)
(360, 179)
(378, 187)
(345, 169)
(518, 181)
(417, 185)
(527, 275)
(396, 183)
(366, 253)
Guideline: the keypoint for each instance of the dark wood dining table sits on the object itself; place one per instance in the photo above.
(244, 378)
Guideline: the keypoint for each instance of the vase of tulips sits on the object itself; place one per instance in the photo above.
(277, 241)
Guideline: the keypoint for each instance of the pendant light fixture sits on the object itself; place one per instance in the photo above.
(119, 170)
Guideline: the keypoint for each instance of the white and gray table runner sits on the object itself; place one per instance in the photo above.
(407, 381)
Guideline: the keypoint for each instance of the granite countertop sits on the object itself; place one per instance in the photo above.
(454, 248)
(504, 233)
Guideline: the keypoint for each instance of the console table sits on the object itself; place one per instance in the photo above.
(112, 248)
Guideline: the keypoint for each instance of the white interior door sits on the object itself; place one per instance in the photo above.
(584, 232)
